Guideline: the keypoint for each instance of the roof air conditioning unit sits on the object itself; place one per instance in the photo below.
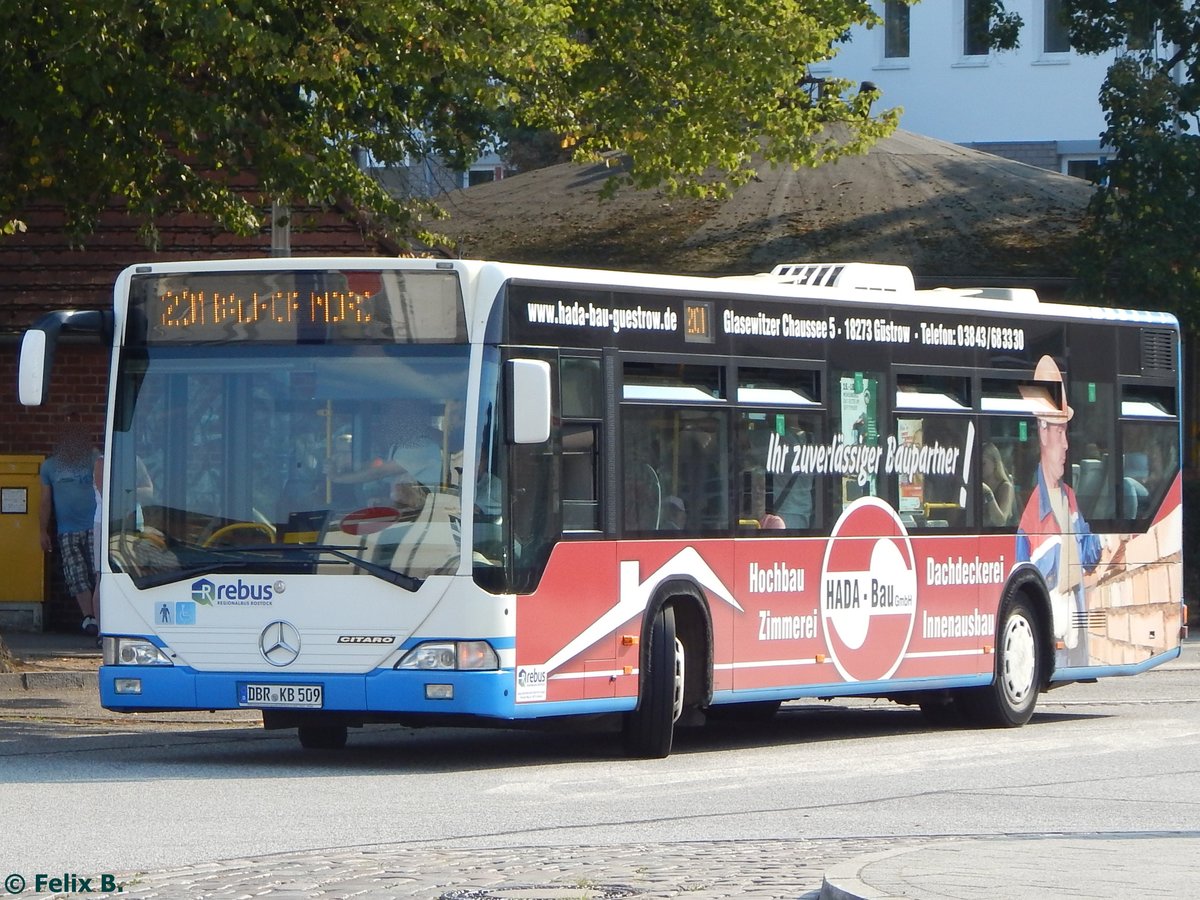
(852, 276)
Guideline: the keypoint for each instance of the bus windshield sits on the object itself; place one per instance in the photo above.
(287, 458)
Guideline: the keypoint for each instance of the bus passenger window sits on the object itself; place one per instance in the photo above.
(582, 388)
(674, 470)
(929, 463)
(580, 477)
(1149, 464)
(582, 397)
(1007, 460)
(777, 480)
(996, 485)
(856, 414)
(1091, 469)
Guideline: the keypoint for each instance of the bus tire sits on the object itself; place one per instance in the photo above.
(322, 737)
(650, 729)
(1009, 700)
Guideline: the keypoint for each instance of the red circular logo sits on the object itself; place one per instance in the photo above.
(868, 591)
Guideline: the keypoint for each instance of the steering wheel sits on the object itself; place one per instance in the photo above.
(235, 527)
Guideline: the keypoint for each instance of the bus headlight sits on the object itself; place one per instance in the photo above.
(124, 651)
(467, 655)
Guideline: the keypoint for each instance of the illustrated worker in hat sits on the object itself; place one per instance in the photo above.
(1052, 534)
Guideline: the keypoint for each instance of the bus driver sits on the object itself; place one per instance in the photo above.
(411, 467)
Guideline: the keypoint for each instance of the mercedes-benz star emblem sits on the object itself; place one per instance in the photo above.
(280, 643)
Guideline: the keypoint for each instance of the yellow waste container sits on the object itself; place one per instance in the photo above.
(23, 584)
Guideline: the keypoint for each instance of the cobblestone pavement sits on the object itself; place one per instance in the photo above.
(1105, 867)
(758, 870)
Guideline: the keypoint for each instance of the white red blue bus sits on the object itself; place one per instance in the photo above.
(434, 491)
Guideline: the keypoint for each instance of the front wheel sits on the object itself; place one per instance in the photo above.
(649, 730)
(1009, 700)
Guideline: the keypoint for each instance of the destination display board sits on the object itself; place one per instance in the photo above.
(296, 306)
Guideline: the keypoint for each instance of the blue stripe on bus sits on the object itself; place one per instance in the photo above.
(382, 690)
(488, 694)
(574, 707)
(851, 689)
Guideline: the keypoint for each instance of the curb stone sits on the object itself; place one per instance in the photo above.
(49, 681)
(842, 882)
(1092, 864)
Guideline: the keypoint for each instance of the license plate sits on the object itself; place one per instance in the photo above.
(303, 696)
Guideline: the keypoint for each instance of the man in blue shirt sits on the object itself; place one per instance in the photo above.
(69, 500)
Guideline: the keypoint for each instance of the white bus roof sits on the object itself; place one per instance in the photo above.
(872, 283)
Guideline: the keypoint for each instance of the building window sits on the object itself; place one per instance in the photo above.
(976, 27)
(1056, 36)
(1087, 169)
(895, 30)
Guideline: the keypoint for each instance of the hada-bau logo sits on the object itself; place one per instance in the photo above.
(208, 593)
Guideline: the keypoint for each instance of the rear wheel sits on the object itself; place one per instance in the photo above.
(322, 737)
(650, 729)
(1009, 700)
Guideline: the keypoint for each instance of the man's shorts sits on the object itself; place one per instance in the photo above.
(77, 552)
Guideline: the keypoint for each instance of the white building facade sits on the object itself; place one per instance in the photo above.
(1038, 104)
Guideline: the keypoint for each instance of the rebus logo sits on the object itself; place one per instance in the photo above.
(526, 676)
(207, 592)
(204, 591)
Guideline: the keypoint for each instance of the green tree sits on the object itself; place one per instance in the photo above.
(1141, 238)
(172, 105)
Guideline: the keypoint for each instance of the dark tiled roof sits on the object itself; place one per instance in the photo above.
(943, 210)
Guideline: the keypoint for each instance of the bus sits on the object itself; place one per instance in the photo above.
(346, 491)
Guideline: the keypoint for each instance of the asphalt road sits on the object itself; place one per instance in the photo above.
(84, 790)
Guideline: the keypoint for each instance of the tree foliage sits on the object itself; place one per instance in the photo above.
(171, 104)
(1142, 235)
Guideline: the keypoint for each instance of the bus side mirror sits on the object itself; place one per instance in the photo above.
(32, 381)
(528, 401)
(38, 343)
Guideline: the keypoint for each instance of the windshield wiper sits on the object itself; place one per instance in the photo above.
(170, 576)
(391, 576)
(231, 560)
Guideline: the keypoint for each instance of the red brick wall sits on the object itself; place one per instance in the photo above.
(79, 383)
(40, 271)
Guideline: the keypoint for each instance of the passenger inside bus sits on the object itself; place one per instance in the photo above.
(674, 516)
(998, 492)
(408, 469)
(790, 496)
(1136, 495)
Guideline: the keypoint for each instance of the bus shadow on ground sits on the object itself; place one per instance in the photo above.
(827, 723)
(435, 750)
